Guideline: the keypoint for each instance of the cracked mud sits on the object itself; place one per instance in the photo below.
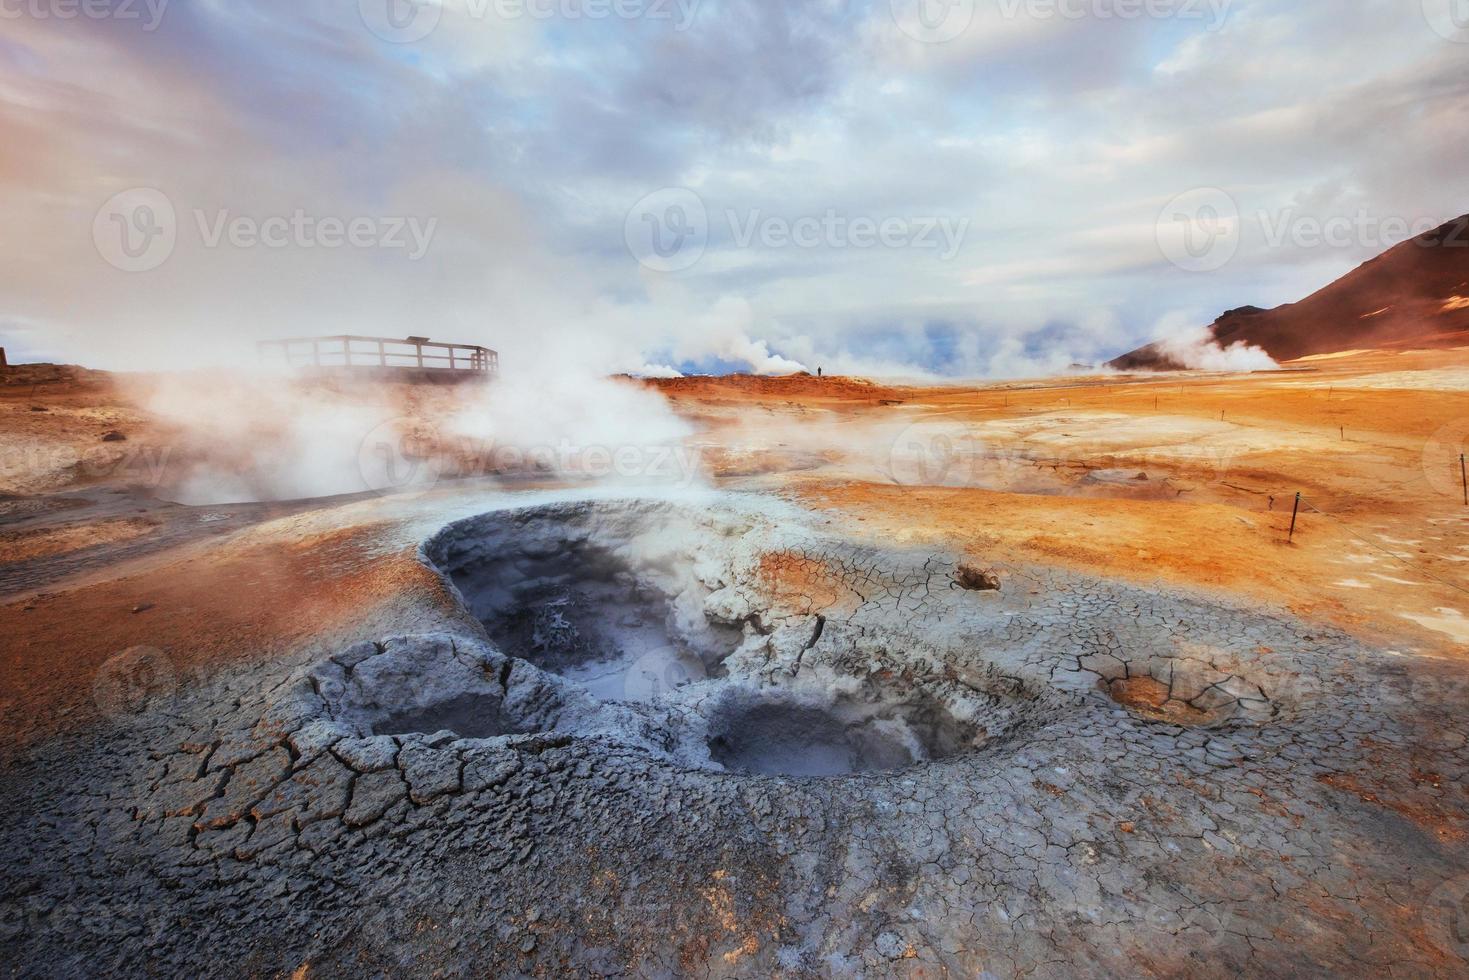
(719, 739)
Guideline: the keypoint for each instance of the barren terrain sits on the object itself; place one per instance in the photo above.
(1017, 679)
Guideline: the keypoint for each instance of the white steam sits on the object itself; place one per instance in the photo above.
(1196, 349)
(233, 437)
(658, 371)
(757, 354)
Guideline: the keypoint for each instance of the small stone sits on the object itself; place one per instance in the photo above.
(114, 436)
(142, 607)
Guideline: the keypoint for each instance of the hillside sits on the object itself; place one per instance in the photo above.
(1416, 294)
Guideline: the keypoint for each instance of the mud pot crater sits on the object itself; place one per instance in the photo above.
(837, 755)
(666, 614)
(1188, 691)
(613, 596)
(828, 724)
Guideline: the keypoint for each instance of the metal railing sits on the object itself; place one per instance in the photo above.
(411, 353)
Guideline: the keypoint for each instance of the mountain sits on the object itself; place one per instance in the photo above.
(1415, 294)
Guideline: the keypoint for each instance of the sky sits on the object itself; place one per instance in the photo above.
(916, 188)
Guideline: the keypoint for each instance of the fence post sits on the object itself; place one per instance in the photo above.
(1293, 514)
(1464, 475)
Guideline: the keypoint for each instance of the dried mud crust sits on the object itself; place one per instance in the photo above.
(1064, 777)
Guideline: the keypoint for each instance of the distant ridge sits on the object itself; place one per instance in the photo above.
(1415, 294)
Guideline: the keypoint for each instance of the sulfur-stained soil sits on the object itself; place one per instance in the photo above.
(1146, 477)
(778, 724)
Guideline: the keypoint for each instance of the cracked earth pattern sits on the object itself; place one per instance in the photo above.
(1112, 781)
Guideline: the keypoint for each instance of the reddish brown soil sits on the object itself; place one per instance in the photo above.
(208, 608)
(1149, 698)
(40, 542)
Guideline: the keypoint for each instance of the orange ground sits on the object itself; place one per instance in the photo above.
(1041, 471)
(205, 607)
(1366, 438)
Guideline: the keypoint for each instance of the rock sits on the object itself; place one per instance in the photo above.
(372, 795)
(249, 783)
(114, 436)
(890, 945)
(184, 798)
(314, 738)
(486, 772)
(430, 772)
(315, 793)
(39, 408)
(976, 579)
(267, 834)
(373, 754)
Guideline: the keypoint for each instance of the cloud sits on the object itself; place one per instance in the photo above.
(528, 140)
